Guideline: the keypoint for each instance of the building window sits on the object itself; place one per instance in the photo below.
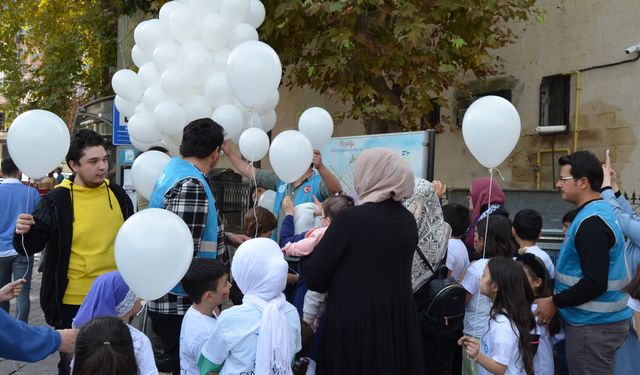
(555, 100)
(465, 102)
(2, 120)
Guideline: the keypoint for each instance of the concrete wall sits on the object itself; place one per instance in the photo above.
(574, 35)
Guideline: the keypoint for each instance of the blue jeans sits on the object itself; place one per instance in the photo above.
(626, 362)
(17, 265)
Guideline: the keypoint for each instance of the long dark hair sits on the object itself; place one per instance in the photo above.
(104, 346)
(513, 299)
(535, 268)
(499, 241)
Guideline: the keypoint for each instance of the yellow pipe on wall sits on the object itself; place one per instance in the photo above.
(576, 122)
(546, 151)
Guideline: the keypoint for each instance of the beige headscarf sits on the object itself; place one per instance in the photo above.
(381, 174)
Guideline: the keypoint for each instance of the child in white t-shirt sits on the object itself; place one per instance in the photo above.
(506, 347)
(262, 335)
(527, 227)
(207, 285)
(499, 243)
(541, 286)
(458, 217)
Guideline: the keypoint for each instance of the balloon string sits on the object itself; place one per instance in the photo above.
(484, 246)
(255, 201)
(24, 248)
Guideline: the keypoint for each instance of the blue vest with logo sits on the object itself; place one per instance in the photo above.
(304, 192)
(178, 170)
(611, 306)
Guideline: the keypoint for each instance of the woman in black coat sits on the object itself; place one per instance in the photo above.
(364, 263)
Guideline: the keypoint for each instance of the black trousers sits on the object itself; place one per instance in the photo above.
(68, 313)
(167, 327)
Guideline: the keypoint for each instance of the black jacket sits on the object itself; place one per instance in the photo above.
(54, 229)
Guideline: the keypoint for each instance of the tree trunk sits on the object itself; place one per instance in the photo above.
(378, 126)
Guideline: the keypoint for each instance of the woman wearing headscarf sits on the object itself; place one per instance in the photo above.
(482, 204)
(262, 335)
(364, 263)
(111, 296)
(433, 238)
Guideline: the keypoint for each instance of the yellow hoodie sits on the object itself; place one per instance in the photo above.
(97, 219)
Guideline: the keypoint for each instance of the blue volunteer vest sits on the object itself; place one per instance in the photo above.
(177, 170)
(611, 306)
(304, 192)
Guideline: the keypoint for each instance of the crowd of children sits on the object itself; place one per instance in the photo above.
(503, 273)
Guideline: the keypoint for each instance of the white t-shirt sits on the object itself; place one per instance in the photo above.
(194, 333)
(457, 258)
(543, 360)
(476, 313)
(234, 339)
(545, 258)
(500, 343)
(143, 351)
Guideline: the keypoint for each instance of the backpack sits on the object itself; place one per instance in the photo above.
(441, 303)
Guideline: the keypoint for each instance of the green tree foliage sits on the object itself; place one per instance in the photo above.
(54, 53)
(389, 61)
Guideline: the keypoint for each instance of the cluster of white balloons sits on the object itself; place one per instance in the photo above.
(200, 58)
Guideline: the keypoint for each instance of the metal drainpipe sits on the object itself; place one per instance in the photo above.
(576, 122)
(540, 152)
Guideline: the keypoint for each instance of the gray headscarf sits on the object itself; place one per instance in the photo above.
(433, 231)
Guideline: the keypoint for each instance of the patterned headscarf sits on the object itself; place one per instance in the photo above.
(382, 174)
(433, 231)
(109, 296)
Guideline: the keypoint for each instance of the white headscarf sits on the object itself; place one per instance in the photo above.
(260, 271)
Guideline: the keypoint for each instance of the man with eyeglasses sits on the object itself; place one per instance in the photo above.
(77, 222)
(590, 272)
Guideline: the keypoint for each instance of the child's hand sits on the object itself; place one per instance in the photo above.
(287, 205)
(471, 346)
(11, 290)
(319, 204)
(439, 188)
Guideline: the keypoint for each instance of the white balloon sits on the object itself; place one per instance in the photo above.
(166, 11)
(215, 31)
(176, 84)
(491, 129)
(169, 117)
(142, 146)
(126, 83)
(171, 144)
(142, 128)
(208, 6)
(230, 118)
(253, 72)
(270, 104)
(290, 155)
(153, 251)
(153, 96)
(198, 64)
(149, 34)
(254, 144)
(168, 55)
(193, 46)
(267, 200)
(220, 59)
(38, 141)
(234, 10)
(141, 108)
(317, 124)
(196, 107)
(148, 75)
(242, 32)
(182, 25)
(217, 91)
(269, 120)
(124, 106)
(304, 217)
(139, 56)
(254, 121)
(245, 113)
(256, 14)
(146, 169)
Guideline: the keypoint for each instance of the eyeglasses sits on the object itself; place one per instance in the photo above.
(561, 179)
(221, 152)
